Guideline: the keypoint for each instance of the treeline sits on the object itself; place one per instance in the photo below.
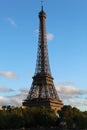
(30, 117)
(67, 118)
(73, 118)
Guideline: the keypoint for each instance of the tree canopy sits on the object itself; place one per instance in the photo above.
(69, 118)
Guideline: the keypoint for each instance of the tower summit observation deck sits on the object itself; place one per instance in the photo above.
(42, 92)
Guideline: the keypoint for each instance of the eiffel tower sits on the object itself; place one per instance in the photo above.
(42, 92)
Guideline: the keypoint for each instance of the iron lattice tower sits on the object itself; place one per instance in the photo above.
(42, 91)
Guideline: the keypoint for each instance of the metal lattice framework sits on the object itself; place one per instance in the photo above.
(42, 64)
(42, 86)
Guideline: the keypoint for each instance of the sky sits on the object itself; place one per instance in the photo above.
(66, 27)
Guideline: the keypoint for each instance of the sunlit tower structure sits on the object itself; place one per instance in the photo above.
(42, 92)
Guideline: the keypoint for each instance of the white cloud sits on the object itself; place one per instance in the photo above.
(8, 74)
(70, 95)
(10, 101)
(50, 36)
(1, 98)
(75, 103)
(64, 83)
(13, 100)
(3, 101)
(5, 89)
(11, 21)
(16, 99)
(24, 90)
(70, 91)
(85, 102)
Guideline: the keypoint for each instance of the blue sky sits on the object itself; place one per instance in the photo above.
(66, 27)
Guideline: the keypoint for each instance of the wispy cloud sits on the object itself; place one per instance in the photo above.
(50, 36)
(14, 99)
(1, 98)
(11, 101)
(8, 74)
(3, 101)
(70, 92)
(24, 90)
(5, 89)
(65, 83)
(72, 95)
(11, 21)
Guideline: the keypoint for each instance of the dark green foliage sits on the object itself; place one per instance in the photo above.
(39, 117)
(10, 119)
(73, 117)
(70, 118)
(30, 117)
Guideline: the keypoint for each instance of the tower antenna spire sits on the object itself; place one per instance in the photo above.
(42, 4)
